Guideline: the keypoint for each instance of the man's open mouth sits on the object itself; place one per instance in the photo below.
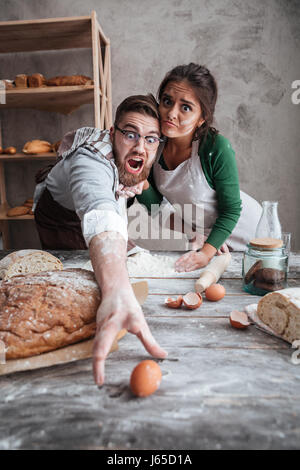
(134, 165)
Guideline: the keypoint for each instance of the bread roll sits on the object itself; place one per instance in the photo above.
(36, 80)
(281, 311)
(10, 150)
(28, 261)
(9, 84)
(17, 211)
(46, 311)
(37, 146)
(69, 80)
(21, 81)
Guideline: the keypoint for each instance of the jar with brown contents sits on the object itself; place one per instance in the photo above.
(265, 266)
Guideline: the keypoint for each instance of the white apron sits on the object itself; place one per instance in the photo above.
(187, 185)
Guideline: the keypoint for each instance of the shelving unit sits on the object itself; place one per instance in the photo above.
(55, 34)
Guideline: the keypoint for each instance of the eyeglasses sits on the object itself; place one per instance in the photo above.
(132, 137)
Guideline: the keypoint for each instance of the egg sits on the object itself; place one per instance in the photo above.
(215, 292)
(145, 378)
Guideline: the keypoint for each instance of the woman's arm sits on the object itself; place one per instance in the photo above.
(222, 175)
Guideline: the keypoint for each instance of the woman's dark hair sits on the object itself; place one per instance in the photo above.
(143, 104)
(205, 87)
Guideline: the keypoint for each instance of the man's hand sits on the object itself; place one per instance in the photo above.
(119, 307)
(117, 311)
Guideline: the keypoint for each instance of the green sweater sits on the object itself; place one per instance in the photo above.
(220, 169)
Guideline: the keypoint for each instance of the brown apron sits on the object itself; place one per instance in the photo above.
(59, 228)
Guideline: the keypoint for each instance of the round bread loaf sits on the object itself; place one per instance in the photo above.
(46, 311)
(28, 261)
(281, 311)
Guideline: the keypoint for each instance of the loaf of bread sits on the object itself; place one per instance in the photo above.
(45, 311)
(36, 80)
(69, 80)
(28, 261)
(9, 84)
(37, 146)
(18, 211)
(21, 81)
(10, 150)
(281, 311)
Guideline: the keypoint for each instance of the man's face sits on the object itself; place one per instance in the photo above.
(135, 158)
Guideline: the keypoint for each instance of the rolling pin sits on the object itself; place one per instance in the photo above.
(213, 272)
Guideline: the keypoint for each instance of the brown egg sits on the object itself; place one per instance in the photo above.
(215, 292)
(145, 378)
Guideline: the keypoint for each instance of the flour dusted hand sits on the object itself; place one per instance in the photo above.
(115, 313)
(119, 308)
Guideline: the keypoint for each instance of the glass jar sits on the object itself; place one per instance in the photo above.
(269, 224)
(264, 269)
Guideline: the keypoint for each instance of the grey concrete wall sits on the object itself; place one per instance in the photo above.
(252, 48)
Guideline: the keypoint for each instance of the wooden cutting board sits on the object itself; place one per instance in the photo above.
(71, 353)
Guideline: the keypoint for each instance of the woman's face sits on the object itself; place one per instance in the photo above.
(180, 111)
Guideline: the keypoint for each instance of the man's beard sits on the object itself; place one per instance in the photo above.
(130, 179)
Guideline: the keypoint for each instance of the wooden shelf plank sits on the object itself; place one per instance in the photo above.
(45, 34)
(61, 99)
(21, 156)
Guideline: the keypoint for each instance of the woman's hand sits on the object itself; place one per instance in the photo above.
(131, 191)
(223, 249)
(191, 260)
(116, 312)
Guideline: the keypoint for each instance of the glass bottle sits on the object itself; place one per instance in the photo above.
(269, 225)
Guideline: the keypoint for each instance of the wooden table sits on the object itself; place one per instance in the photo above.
(222, 388)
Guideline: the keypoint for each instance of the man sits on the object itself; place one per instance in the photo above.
(78, 205)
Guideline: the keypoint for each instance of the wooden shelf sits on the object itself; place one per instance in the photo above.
(63, 99)
(3, 211)
(21, 156)
(47, 34)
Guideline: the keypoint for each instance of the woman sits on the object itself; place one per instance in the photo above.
(197, 166)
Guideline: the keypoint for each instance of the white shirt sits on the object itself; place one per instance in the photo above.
(86, 181)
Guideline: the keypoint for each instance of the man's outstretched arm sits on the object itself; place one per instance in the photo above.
(118, 308)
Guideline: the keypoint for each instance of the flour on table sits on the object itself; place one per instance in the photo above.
(144, 264)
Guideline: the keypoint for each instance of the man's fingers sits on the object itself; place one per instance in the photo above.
(150, 343)
(102, 344)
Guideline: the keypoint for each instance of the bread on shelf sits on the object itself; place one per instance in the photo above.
(18, 211)
(37, 146)
(69, 80)
(10, 150)
(21, 81)
(36, 80)
(9, 84)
